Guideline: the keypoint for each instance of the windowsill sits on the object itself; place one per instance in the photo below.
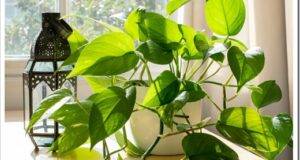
(16, 58)
(14, 124)
(14, 66)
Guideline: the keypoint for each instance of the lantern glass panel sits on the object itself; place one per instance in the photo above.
(44, 126)
(43, 67)
(43, 141)
(28, 66)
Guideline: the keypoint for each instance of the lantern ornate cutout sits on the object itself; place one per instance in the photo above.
(42, 77)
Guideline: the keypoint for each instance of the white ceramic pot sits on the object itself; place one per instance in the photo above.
(144, 128)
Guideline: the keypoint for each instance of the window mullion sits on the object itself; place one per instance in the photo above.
(63, 7)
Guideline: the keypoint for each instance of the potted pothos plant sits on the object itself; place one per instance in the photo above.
(146, 38)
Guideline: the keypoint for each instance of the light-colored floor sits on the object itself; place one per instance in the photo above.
(19, 147)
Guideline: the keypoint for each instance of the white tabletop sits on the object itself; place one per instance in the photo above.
(19, 147)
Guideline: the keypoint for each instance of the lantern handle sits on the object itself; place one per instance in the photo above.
(61, 27)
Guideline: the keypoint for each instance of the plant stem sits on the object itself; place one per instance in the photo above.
(226, 39)
(224, 92)
(220, 84)
(229, 78)
(149, 150)
(139, 109)
(175, 123)
(180, 60)
(112, 80)
(232, 98)
(142, 72)
(188, 130)
(107, 155)
(214, 103)
(104, 149)
(135, 70)
(187, 120)
(205, 71)
(212, 74)
(181, 116)
(148, 72)
(125, 141)
(224, 98)
(151, 80)
(178, 74)
(171, 67)
(186, 69)
(195, 71)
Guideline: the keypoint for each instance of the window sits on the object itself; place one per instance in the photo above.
(23, 23)
(113, 12)
(23, 18)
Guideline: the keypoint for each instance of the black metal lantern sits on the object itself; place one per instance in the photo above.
(41, 76)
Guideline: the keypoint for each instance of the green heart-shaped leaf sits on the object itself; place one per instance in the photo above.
(194, 90)
(112, 108)
(254, 88)
(245, 66)
(198, 146)
(196, 44)
(162, 30)
(155, 53)
(108, 66)
(68, 114)
(271, 93)
(260, 134)
(162, 91)
(74, 117)
(133, 25)
(225, 17)
(173, 5)
(98, 83)
(113, 44)
(281, 127)
(216, 52)
(201, 42)
(168, 111)
(77, 42)
(56, 99)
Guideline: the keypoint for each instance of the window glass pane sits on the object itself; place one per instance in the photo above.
(23, 22)
(110, 11)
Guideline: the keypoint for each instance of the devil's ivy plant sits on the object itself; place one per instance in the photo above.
(148, 38)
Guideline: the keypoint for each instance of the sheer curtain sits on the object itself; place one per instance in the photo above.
(265, 27)
(290, 33)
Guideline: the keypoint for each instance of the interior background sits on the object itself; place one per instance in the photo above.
(269, 24)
